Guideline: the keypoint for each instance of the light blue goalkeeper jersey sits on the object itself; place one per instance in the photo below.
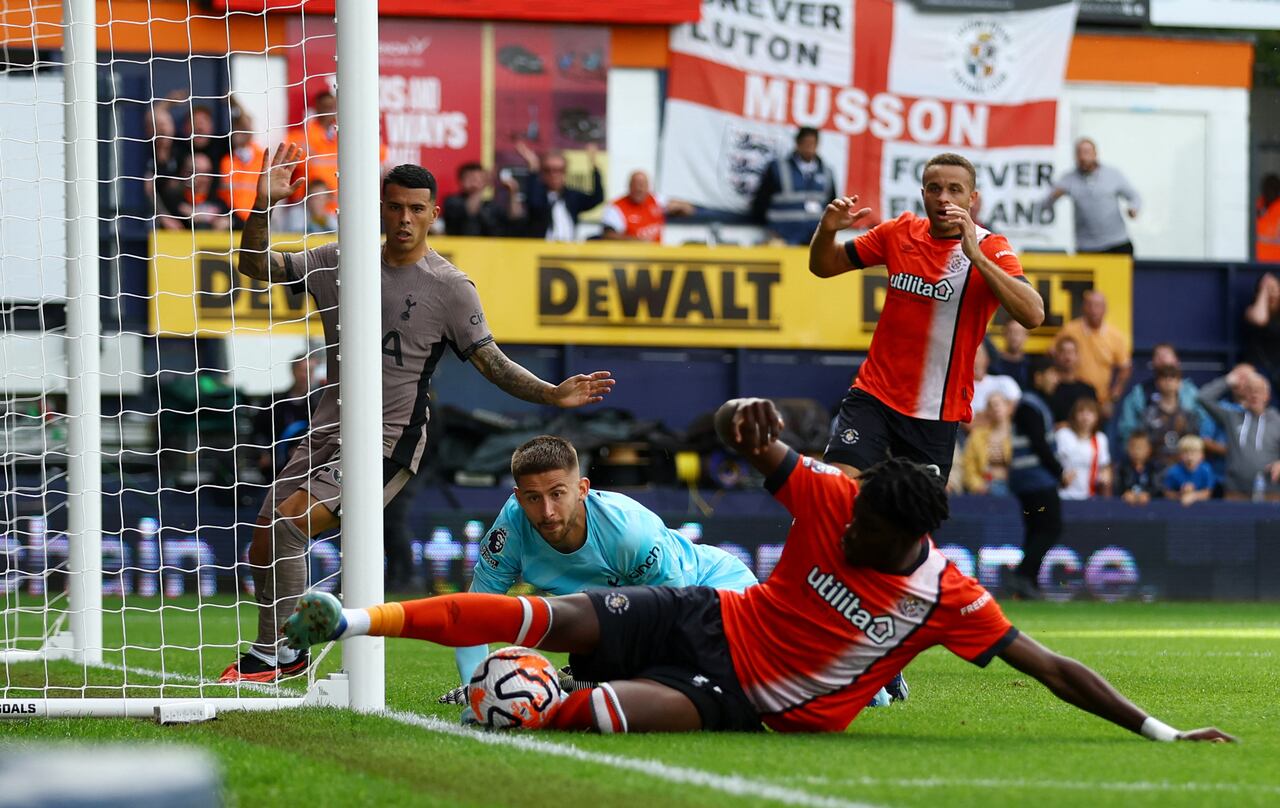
(627, 544)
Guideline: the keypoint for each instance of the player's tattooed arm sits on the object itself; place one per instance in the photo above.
(254, 257)
(514, 379)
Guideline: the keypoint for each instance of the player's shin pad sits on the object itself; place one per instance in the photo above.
(279, 585)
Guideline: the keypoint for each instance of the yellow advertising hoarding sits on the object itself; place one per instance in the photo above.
(614, 293)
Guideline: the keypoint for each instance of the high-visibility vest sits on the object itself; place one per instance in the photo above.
(240, 179)
(1267, 247)
(795, 210)
(320, 154)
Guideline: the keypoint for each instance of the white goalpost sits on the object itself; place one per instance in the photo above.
(125, 519)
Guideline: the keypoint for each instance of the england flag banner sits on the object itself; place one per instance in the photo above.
(887, 84)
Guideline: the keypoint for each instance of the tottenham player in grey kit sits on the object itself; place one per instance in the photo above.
(428, 305)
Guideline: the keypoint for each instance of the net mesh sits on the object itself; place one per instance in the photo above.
(208, 378)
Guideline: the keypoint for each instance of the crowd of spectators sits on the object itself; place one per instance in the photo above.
(1172, 439)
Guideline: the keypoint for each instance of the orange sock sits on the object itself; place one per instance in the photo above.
(596, 709)
(466, 619)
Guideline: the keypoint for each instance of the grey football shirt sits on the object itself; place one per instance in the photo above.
(426, 307)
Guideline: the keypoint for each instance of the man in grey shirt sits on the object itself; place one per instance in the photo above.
(1253, 433)
(428, 306)
(1094, 190)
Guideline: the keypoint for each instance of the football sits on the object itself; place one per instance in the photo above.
(514, 688)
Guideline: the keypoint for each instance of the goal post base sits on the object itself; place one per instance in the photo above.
(328, 692)
(56, 647)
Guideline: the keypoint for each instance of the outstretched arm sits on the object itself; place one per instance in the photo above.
(254, 257)
(1078, 685)
(751, 426)
(514, 379)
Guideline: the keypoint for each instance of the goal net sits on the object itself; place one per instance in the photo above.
(150, 393)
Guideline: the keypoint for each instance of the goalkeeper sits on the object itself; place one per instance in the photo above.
(428, 306)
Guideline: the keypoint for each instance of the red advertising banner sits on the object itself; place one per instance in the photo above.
(650, 12)
(550, 87)
(429, 88)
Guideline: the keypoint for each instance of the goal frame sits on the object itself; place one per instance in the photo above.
(361, 686)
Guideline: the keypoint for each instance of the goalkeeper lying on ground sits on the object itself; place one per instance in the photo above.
(559, 535)
(859, 591)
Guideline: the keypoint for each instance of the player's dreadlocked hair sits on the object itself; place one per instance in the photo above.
(908, 495)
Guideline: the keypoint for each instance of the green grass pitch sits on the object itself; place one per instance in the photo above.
(967, 736)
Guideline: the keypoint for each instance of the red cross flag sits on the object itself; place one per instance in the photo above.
(888, 84)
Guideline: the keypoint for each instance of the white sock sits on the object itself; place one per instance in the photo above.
(285, 655)
(358, 622)
(270, 659)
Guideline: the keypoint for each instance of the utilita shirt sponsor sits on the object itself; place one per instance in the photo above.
(845, 601)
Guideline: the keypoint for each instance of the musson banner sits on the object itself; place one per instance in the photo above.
(889, 84)
(611, 293)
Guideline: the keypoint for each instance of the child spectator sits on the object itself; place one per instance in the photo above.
(1165, 420)
(1139, 481)
(1084, 453)
(1191, 480)
(989, 449)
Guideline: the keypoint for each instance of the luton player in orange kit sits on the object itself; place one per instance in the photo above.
(859, 591)
(947, 277)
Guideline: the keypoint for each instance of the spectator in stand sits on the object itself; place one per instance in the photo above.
(318, 138)
(989, 449)
(1084, 453)
(1034, 477)
(640, 216)
(794, 191)
(321, 208)
(164, 182)
(469, 213)
(1253, 434)
(1095, 190)
(1143, 394)
(1139, 482)
(200, 208)
(239, 171)
(1267, 224)
(1106, 359)
(286, 416)
(1262, 328)
(1165, 421)
(202, 130)
(1069, 389)
(1012, 361)
(1189, 480)
(550, 209)
(986, 385)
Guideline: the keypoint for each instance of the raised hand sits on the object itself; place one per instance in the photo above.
(842, 213)
(756, 425)
(584, 388)
(529, 156)
(275, 182)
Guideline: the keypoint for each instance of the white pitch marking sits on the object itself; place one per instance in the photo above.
(726, 783)
(1240, 633)
(1066, 785)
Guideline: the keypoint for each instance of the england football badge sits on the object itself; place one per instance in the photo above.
(617, 602)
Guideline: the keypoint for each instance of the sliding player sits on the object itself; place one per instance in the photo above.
(428, 307)
(859, 591)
